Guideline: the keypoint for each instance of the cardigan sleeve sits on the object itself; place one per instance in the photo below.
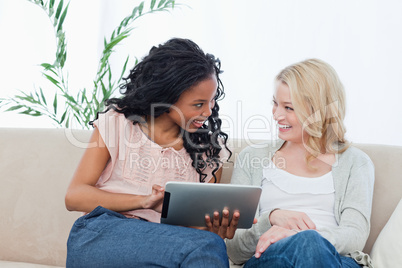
(356, 180)
(247, 170)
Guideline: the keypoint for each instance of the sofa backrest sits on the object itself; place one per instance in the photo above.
(387, 187)
(36, 166)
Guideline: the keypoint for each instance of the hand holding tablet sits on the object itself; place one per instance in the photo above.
(186, 204)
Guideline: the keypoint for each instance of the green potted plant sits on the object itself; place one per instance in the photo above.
(80, 108)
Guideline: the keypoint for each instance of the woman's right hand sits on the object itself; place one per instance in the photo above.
(291, 220)
(273, 235)
(155, 199)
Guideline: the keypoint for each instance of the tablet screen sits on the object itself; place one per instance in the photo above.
(187, 203)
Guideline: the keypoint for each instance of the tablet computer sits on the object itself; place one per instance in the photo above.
(187, 203)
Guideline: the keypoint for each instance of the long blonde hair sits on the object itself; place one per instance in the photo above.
(318, 98)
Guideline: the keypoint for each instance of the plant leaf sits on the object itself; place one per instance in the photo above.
(54, 81)
(43, 96)
(36, 113)
(140, 8)
(117, 40)
(63, 16)
(49, 67)
(67, 122)
(27, 111)
(58, 11)
(51, 9)
(70, 98)
(134, 12)
(152, 4)
(83, 93)
(161, 3)
(63, 117)
(55, 104)
(13, 108)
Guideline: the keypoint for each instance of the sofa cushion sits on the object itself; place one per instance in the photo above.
(10, 264)
(388, 246)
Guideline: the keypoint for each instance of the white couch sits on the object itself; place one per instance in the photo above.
(36, 166)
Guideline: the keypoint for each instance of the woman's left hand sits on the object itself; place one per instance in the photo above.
(274, 234)
(223, 228)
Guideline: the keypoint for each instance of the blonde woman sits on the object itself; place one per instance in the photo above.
(317, 189)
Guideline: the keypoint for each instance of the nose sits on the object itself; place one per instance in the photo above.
(207, 111)
(277, 113)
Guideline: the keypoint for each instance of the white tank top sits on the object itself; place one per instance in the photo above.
(313, 196)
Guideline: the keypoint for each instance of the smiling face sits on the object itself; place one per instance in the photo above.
(194, 105)
(290, 128)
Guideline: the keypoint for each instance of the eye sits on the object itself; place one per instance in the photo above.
(289, 108)
(274, 103)
(198, 105)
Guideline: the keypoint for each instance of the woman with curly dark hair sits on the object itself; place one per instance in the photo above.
(166, 127)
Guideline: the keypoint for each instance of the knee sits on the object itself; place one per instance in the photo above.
(305, 249)
(207, 241)
(310, 235)
(214, 240)
(205, 249)
(313, 243)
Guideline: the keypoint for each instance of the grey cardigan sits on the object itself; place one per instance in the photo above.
(353, 175)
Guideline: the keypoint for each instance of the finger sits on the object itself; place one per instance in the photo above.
(263, 243)
(309, 223)
(157, 188)
(300, 226)
(224, 224)
(225, 218)
(261, 247)
(272, 236)
(235, 219)
(208, 222)
(294, 225)
(233, 225)
(216, 223)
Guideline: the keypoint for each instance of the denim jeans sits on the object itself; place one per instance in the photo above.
(105, 238)
(304, 249)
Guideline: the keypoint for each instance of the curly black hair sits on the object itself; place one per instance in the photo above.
(161, 77)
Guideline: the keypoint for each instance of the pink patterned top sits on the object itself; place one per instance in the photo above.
(137, 162)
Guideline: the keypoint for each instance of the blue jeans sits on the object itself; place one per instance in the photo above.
(304, 249)
(105, 238)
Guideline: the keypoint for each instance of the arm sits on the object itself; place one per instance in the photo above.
(243, 245)
(82, 195)
(354, 208)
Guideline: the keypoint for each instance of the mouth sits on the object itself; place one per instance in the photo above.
(284, 127)
(198, 123)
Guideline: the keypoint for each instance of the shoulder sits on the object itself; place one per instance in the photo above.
(262, 149)
(355, 156)
(111, 114)
(354, 164)
(112, 119)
